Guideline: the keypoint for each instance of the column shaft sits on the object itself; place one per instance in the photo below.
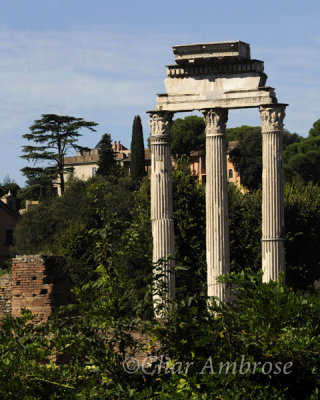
(217, 230)
(161, 200)
(273, 259)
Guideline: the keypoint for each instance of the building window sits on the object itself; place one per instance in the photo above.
(9, 237)
(94, 171)
(230, 173)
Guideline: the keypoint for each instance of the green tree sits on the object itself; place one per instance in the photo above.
(290, 138)
(39, 184)
(244, 210)
(137, 165)
(302, 223)
(52, 136)
(315, 130)
(110, 320)
(302, 158)
(35, 232)
(265, 327)
(247, 156)
(302, 161)
(189, 226)
(187, 135)
(42, 225)
(9, 184)
(107, 163)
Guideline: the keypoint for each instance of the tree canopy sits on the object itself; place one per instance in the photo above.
(302, 159)
(187, 135)
(9, 185)
(52, 136)
(107, 164)
(102, 228)
(315, 130)
(247, 156)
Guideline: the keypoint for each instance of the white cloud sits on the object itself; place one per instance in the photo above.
(93, 73)
(107, 77)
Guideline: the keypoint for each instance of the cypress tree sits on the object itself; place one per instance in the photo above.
(137, 150)
(106, 163)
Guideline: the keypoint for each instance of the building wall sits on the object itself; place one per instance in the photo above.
(8, 222)
(198, 165)
(5, 295)
(232, 174)
(39, 284)
(198, 168)
(83, 171)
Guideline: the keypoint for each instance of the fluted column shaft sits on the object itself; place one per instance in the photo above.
(217, 230)
(161, 199)
(273, 259)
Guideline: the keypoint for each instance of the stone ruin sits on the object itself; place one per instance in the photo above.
(213, 78)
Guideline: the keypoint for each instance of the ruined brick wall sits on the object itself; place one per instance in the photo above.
(5, 295)
(39, 284)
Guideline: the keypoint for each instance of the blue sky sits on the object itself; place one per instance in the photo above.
(104, 60)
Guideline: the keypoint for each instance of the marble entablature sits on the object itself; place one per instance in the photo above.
(214, 75)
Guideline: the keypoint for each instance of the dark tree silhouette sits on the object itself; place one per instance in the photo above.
(53, 135)
(137, 167)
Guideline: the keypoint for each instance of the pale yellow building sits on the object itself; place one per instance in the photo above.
(85, 166)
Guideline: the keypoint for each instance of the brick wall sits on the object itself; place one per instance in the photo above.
(39, 284)
(5, 295)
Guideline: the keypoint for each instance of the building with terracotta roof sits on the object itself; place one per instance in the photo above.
(84, 166)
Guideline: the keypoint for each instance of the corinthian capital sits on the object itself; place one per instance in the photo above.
(215, 120)
(272, 117)
(160, 123)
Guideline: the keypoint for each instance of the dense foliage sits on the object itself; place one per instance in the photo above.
(8, 185)
(187, 135)
(302, 158)
(263, 345)
(65, 226)
(107, 164)
(302, 223)
(247, 155)
(315, 130)
(302, 161)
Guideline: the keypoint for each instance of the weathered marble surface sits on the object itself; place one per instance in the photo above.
(213, 77)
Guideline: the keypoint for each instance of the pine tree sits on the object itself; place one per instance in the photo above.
(137, 168)
(52, 136)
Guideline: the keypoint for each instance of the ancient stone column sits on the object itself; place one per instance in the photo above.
(161, 199)
(273, 260)
(217, 230)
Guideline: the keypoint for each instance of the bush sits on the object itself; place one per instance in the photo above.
(266, 324)
(302, 218)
